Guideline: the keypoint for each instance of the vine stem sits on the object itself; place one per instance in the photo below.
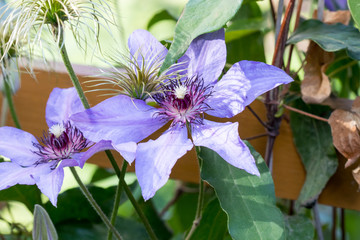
(111, 158)
(9, 100)
(305, 113)
(90, 198)
(117, 198)
(200, 201)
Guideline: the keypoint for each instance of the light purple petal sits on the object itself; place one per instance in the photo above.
(61, 104)
(155, 159)
(12, 174)
(224, 139)
(206, 56)
(127, 150)
(145, 46)
(241, 85)
(17, 145)
(119, 119)
(50, 182)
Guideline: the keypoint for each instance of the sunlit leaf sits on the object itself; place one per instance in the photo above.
(248, 200)
(354, 7)
(199, 17)
(160, 16)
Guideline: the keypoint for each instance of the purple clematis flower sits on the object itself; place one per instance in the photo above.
(184, 102)
(334, 5)
(41, 161)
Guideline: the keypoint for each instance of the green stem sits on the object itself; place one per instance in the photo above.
(10, 102)
(131, 197)
(71, 71)
(84, 101)
(90, 198)
(200, 201)
(117, 198)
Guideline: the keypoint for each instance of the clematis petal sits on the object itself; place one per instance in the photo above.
(145, 46)
(244, 81)
(17, 145)
(206, 56)
(50, 182)
(119, 119)
(61, 104)
(155, 159)
(224, 139)
(12, 174)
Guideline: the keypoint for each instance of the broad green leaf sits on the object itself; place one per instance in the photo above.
(27, 194)
(331, 38)
(43, 227)
(313, 141)
(245, 29)
(157, 224)
(248, 200)
(101, 174)
(160, 16)
(183, 212)
(199, 17)
(354, 6)
(129, 229)
(299, 227)
(212, 224)
(72, 204)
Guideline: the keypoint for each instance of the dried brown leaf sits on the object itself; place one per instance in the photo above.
(342, 16)
(356, 174)
(315, 87)
(345, 127)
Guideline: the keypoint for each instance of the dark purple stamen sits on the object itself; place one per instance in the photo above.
(189, 107)
(54, 149)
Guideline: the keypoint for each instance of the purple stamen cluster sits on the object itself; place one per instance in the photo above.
(186, 106)
(54, 148)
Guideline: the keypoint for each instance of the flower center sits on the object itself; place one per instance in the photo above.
(61, 142)
(57, 130)
(183, 101)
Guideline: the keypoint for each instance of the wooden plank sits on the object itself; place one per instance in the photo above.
(288, 172)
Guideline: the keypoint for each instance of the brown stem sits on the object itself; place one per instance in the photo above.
(273, 14)
(305, 113)
(342, 224)
(273, 95)
(178, 193)
(295, 27)
(257, 117)
(256, 136)
(334, 218)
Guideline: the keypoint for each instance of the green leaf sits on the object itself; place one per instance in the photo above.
(160, 16)
(212, 224)
(248, 200)
(72, 204)
(313, 141)
(101, 174)
(299, 227)
(43, 227)
(331, 38)
(199, 17)
(246, 27)
(354, 6)
(128, 228)
(27, 194)
(157, 224)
